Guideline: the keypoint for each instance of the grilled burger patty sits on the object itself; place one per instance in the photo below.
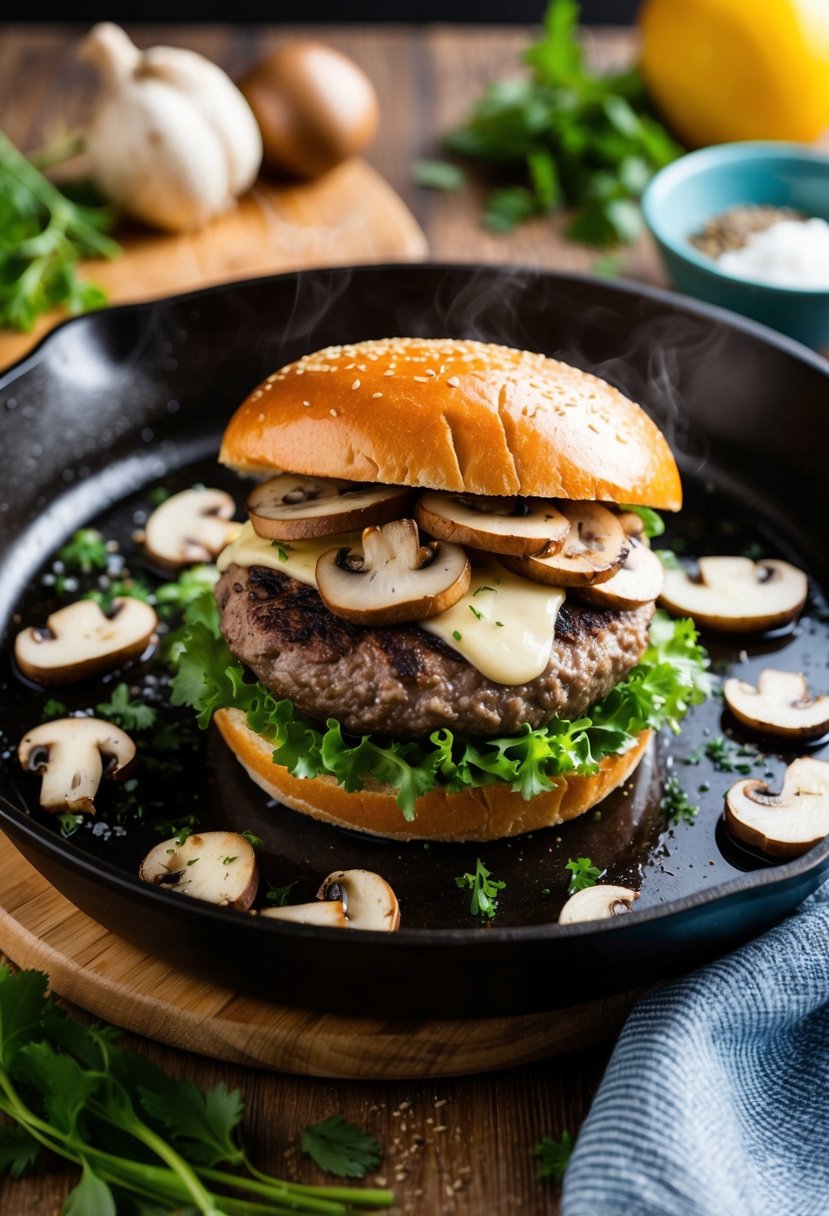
(404, 682)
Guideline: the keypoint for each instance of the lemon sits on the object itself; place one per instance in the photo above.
(722, 70)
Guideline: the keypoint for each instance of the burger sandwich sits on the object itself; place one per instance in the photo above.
(439, 620)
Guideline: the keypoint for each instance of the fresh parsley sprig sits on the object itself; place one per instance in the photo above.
(562, 135)
(553, 1156)
(484, 888)
(141, 1138)
(583, 874)
(43, 235)
(126, 712)
(341, 1148)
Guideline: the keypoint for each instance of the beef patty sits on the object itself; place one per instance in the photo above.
(404, 682)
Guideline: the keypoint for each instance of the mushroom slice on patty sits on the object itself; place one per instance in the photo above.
(291, 507)
(597, 903)
(369, 901)
(521, 526)
(81, 640)
(395, 579)
(780, 705)
(595, 548)
(784, 824)
(737, 595)
(69, 753)
(638, 582)
(218, 867)
(193, 526)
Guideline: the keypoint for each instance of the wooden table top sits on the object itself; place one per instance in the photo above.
(452, 1147)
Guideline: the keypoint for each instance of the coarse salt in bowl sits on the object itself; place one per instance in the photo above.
(770, 283)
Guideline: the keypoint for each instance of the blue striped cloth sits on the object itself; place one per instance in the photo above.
(716, 1098)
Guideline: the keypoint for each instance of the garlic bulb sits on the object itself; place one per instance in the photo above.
(173, 142)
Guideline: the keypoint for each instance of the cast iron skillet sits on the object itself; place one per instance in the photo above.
(112, 403)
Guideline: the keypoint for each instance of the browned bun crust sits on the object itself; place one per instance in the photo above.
(451, 415)
(489, 813)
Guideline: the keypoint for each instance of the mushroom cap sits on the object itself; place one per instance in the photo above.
(594, 550)
(784, 824)
(638, 581)
(189, 527)
(445, 414)
(395, 580)
(369, 901)
(81, 640)
(597, 903)
(291, 507)
(218, 867)
(69, 754)
(780, 705)
(508, 525)
(737, 595)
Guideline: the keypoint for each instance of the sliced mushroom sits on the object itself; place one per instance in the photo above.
(632, 524)
(784, 824)
(218, 867)
(519, 526)
(369, 901)
(289, 507)
(329, 914)
(595, 548)
(395, 579)
(72, 754)
(81, 640)
(597, 903)
(638, 582)
(779, 705)
(737, 595)
(193, 526)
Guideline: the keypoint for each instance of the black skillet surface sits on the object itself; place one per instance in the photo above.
(117, 403)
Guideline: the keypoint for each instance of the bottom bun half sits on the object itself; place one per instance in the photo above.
(487, 813)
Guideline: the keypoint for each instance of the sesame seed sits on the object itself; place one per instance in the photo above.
(377, 395)
(430, 372)
(422, 379)
(306, 403)
(356, 384)
(333, 413)
(592, 426)
(261, 418)
(388, 373)
(453, 381)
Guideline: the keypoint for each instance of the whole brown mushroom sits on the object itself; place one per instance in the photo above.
(315, 108)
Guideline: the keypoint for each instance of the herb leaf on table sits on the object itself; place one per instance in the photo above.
(563, 135)
(341, 1148)
(43, 236)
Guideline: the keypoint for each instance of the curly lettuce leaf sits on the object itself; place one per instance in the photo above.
(667, 681)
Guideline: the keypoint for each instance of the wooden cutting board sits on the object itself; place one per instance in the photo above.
(348, 217)
(119, 983)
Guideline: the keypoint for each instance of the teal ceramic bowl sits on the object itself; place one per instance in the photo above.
(690, 191)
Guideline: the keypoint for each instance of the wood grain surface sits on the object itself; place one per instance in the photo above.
(452, 1147)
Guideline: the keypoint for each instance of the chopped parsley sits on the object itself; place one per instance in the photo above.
(281, 553)
(479, 616)
(676, 804)
(53, 708)
(484, 888)
(583, 874)
(727, 756)
(125, 712)
(478, 590)
(278, 896)
(85, 551)
(253, 840)
(457, 635)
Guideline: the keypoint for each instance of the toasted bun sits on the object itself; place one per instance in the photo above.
(488, 813)
(452, 415)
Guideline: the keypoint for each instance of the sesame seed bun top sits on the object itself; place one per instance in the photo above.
(453, 415)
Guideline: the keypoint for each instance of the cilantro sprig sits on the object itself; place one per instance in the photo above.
(562, 135)
(43, 235)
(142, 1139)
(484, 888)
(669, 678)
